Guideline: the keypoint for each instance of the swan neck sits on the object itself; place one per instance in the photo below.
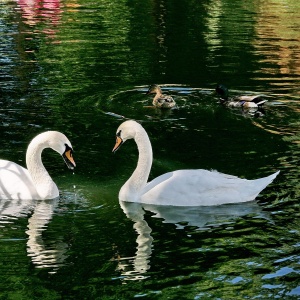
(39, 175)
(34, 157)
(145, 157)
(139, 177)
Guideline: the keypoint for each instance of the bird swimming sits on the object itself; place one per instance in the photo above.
(160, 100)
(245, 101)
(34, 182)
(192, 187)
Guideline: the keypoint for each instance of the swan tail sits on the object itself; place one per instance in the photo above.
(262, 183)
(271, 177)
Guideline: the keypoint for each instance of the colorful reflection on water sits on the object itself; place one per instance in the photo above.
(82, 67)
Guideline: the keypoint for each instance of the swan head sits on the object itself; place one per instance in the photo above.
(59, 143)
(63, 146)
(127, 130)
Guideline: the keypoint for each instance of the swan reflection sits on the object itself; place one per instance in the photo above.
(140, 261)
(201, 217)
(42, 254)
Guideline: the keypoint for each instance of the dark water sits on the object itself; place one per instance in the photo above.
(81, 67)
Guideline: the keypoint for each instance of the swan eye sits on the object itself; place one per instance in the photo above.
(119, 133)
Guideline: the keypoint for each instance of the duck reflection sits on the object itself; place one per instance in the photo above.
(136, 267)
(43, 255)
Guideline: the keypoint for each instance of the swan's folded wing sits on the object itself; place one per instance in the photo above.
(15, 182)
(198, 187)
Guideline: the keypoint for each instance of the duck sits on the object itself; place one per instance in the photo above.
(19, 183)
(191, 187)
(160, 100)
(245, 101)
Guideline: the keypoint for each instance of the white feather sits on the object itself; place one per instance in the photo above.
(17, 182)
(183, 187)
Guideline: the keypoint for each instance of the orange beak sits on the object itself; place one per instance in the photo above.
(68, 158)
(119, 142)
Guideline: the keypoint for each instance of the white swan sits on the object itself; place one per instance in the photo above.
(17, 182)
(182, 187)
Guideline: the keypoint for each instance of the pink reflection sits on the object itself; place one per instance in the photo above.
(42, 11)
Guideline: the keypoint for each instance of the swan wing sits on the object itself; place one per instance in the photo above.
(15, 182)
(201, 187)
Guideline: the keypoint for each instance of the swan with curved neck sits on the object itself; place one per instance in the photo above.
(34, 182)
(194, 187)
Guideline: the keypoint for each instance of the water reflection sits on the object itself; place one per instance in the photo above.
(202, 217)
(43, 254)
(211, 33)
(277, 41)
(135, 268)
(141, 261)
(42, 11)
(107, 48)
(12, 209)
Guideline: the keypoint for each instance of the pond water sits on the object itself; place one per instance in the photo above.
(82, 68)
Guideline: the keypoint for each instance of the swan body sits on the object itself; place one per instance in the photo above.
(246, 101)
(160, 100)
(182, 187)
(34, 182)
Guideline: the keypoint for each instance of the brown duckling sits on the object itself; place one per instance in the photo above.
(160, 100)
